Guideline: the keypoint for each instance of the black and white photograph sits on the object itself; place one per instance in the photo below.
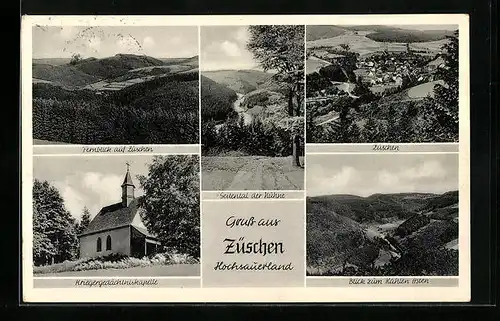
(115, 85)
(382, 83)
(116, 216)
(382, 215)
(252, 107)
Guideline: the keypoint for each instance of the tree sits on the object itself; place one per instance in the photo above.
(43, 249)
(345, 47)
(314, 133)
(342, 126)
(170, 206)
(281, 48)
(408, 49)
(84, 221)
(370, 131)
(354, 133)
(75, 58)
(363, 91)
(442, 109)
(406, 81)
(54, 234)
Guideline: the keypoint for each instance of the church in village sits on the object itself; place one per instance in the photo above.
(118, 229)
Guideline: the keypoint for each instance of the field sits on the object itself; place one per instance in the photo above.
(361, 43)
(423, 90)
(383, 234)
(46, 142)
(379, 33)
(63, 75)
(314, 64)
(250, 173)
(52, 61)
(323, 32)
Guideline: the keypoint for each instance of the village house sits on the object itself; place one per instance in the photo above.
(118, 228)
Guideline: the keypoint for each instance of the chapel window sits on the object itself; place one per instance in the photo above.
(108, 243)
(99, 244)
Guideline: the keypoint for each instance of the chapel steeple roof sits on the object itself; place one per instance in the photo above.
(128, 178)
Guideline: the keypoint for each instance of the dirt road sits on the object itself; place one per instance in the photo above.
(242, 112)
(155, 270)
(247, 118)
(250, 173)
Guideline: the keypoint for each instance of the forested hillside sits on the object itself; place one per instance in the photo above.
(216, 101)
(383, 234)
(161, 111)
(124, 99)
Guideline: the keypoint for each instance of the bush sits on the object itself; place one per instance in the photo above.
(256, 138)
(117, 261)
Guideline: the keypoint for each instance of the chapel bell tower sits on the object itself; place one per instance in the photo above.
(127, 188)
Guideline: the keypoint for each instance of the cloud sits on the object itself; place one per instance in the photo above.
(73, 200)
(230, 49)
(124, 42)
(344, 177)
(428, 169)
(67, 32)
(148, 42)
(107, 187)
(241, 35)
(94, 43)
(387, 179)
(320, 182)
(175, 40)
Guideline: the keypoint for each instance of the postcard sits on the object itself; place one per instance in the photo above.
(252, 158)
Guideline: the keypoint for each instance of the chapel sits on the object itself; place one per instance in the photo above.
(119, 229)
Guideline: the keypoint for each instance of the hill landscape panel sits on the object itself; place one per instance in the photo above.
(122, 99)
(252, 115)
(403, 234)
(244, 99)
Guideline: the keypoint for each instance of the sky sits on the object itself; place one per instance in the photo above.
(224, 47)
(420, 27)
(427, 27)
(92, 181)
(100, 42)
(367, 174)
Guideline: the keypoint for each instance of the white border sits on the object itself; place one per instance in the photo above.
(316, 294)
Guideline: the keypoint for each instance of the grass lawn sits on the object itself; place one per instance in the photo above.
(154, 270)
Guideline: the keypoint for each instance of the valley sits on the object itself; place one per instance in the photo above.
(383, 234)
(239, 102)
